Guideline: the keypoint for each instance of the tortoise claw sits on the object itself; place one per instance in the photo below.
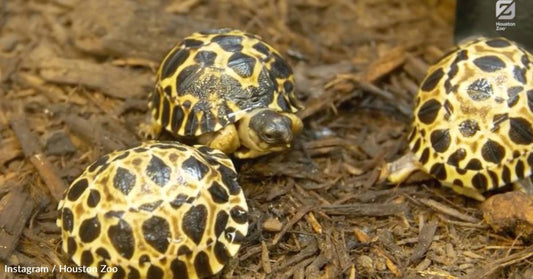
(149, 131)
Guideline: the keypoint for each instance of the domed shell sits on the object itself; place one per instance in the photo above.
(213, 78)
(474, 114)
(160, 209)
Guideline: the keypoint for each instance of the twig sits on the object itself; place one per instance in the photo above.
(363, 209)
(442, 208)
(299, 215)
(305, 253)
(464, 224)
(49, 175)
(494, 266)
(294, 268)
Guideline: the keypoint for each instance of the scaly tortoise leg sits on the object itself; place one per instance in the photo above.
(225, 140)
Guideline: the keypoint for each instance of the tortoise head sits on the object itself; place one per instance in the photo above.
(268, 130)
(271, 127)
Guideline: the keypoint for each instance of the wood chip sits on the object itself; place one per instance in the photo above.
(423, 265)
(372, 195)
(340, 250)
(493, 266)
(308, 251)
(181, 7)
(280, 169)
(15, 210)
(440, 274)
(250, 252)
(58, 143)
(424, 241)
(111, 80)
(442, 208)
(136, 62)
(313, 269)
(299, 266)
(464, 224)
(361, 236)
(416, 67)
(272, 225)
(352, 274)
(94, 134)
(29, 142)
(265, 259)
(352, 170)
(314, 105)
(385, 64)
(390, 264)
(130, 29)
(362, 209)
(4, 179)
(404, 108)
(326, 142)
(310, 217)
(387, 239)
(50, 175)
(299, 214)
(9, 150)
(32, 150)
(325, 258)
(472, 255)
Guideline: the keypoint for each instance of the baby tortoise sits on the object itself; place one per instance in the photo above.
(229, 90)
(158, 210)
(472, 127)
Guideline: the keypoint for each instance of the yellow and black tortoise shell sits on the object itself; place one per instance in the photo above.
(158, 210)
(213, 78)
(474, 114)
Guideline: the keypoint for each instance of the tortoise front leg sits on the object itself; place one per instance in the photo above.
(225, 140)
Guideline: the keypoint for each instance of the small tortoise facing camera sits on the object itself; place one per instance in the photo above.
(473, 120)
(158, 210)
(229, 90)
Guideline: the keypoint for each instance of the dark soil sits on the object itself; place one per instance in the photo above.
(75, 76)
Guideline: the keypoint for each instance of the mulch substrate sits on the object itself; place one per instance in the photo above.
(74, 81)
